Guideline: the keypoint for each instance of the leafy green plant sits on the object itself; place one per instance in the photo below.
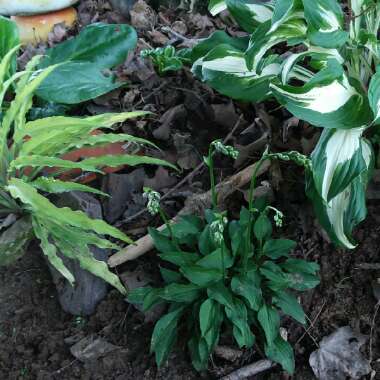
(225, 277)
(27, 148)
(322, 66)
(166, 59)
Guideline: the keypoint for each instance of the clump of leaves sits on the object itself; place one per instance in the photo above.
(225, 276)
(323, 66)
(27, 148)
(166, 59)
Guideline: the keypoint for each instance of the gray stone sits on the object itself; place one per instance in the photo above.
(89, 290)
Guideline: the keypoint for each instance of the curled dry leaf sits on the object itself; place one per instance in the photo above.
(339, 356)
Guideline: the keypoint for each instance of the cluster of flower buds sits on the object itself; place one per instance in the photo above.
(296, 157)
(278, 216)
(227, 150)
(153, 198)
(217, 228)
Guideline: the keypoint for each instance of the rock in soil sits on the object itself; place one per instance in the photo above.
(89, 290)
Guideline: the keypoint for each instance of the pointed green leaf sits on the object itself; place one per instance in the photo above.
(201, 276)
(248, 287)
(276, 248)
(290, 306)
(185, 293)
(280, 351)
(269, 320)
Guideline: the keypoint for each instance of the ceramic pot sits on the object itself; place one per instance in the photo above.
(30, 7)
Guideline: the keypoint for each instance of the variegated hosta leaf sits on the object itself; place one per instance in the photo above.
(340, 212)
(13, 241)
(328, 100)
(43, 209)
(284, 11)
(263, 39)
(374, 95)
(325, 21)
(217, 6)
(250, 13)
(225, 70)
(340, 156)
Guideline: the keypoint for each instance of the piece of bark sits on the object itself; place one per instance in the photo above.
(249, 370)
(194, 205)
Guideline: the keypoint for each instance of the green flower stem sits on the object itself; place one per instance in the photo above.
(214, 198)
(223, 261)
(166, 220)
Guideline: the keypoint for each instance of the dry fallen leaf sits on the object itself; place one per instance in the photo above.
(339, 356)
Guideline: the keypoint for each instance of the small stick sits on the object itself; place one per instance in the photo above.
(249, 370)
(193, 205)
(227, 353)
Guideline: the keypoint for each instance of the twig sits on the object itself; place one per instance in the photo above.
(371, 333)
(189, 42)
(227, 353)
(143, 100)
(193, 205)
(189, 177)
(249, 370)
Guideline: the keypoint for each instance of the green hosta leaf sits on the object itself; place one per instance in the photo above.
(217, 259)
(278, 280)
(206, 244)
(224, 68)
(290, 306)
(217, 6)
(210, 319)
(161, 242)
(50, 251)
(374, 95)
(104, 45)
(13, 241)
(325, 23)
(136, 296)
(248, 287)
(276, 248)
(170, 276)
(185, 293)
(340, 156)
(263, 39)
(285, 10)
(250, 13)
(238, 316)
(303, 281)
(152, 298)
(280, 351)
(180, 258)
(269, 320)
(43, 208)
(126, 159)
(9, 39)
(199, 355)
(299, 265)
(262, 227)
(165, 334)
(346, 108)
(51, 185)
(221, 294)
(76, 82)
(201, 276)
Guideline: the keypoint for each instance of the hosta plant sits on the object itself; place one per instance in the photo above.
(27, 149)
(225, 277)
(321, 64)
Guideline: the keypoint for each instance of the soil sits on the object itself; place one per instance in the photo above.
(36, 335)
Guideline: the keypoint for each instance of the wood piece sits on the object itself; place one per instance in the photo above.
(195, 204)
(249, 370)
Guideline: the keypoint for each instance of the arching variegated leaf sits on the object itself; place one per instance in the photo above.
(328, 100)
(263, 39)
(374, 95)
(325, 21)
(225, 70)
(347, 209)
(340, 156)
(285, 10)
(217, 6)
(250, 13)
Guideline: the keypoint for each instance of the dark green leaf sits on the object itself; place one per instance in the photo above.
(152, 298)
(216, 259)
(201, 276)
(290, 306)
(136, 296)
(249, 289)
(299, 265)
(280, 351)
(206, 244)
(270, 322)
(169, 275)
(221, 294)
(165, 334)
(180, 293)
(76, 82)
(276, 248)
(180, 258)
(262, 227)
(9, 38)
(161, 242)
(104, 45)
(210, 319)
(278, 280)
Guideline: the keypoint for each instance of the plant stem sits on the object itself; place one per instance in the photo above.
(223, 262)
(169, 227)
(214, 198)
